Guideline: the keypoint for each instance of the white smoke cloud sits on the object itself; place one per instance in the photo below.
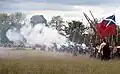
(39, 34)
(14, 35)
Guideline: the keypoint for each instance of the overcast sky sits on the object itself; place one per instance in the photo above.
(69, 9)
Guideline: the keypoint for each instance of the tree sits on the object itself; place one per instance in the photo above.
(37, 19)
(57, 22)
(118, 32)
(7, 22)
(4, 26)
(17, 20)
(75, 31)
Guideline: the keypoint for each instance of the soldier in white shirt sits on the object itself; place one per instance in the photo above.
(104, 48)
(101, 46)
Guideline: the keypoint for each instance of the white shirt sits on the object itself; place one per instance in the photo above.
(101, 46)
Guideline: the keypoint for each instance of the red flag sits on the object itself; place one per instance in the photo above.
(107, 27)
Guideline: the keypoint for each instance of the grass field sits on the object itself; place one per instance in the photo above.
(56, 65)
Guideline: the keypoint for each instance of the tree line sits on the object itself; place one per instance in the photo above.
(73, 30)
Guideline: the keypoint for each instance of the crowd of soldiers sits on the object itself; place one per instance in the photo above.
(105, 50)
(102, 50)
(73, 49)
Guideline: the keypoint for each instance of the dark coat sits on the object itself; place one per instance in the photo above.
(106, 52)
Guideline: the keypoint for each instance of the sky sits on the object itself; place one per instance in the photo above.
(68, 9)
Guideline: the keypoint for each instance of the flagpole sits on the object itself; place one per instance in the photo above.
(117, 34)
(112, 40)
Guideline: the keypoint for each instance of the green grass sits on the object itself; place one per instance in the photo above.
(58, 66)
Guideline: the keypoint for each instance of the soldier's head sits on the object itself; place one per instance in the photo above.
(104, 40)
